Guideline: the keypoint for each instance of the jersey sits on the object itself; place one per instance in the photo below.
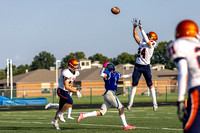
(112, 80)
(66, 74)
(190, 51)
(145, 53)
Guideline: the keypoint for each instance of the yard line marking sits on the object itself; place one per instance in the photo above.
(174, 129)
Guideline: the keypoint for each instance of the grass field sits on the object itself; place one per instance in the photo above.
(165, 120)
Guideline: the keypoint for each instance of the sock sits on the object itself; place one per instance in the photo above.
(69, 112)
(123, 120)
(132, 94)
(153, 95)
(90, 114)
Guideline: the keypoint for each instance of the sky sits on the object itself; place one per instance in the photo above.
(28, 27)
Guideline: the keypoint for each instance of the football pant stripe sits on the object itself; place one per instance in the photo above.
(60, 94)
(194, 109)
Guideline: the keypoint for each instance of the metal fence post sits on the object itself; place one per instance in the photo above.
(91, 95)
(166, 93)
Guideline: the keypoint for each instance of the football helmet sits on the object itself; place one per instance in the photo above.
(110, 66)
(72, 63)
(187, 28)
(152, 36)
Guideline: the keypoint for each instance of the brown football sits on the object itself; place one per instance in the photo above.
(115, 10)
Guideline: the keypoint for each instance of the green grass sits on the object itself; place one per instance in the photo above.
(172, 97)
(165, 120)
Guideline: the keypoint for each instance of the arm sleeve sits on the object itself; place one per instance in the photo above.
(182, 78)
(101, 72)
(127, 75)
(144, 35)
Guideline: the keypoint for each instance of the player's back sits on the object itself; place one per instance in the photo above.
(190, 50)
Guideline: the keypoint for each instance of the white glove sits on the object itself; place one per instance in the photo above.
(78, 94)
(134, 21)
(70, 93)
(140, 24)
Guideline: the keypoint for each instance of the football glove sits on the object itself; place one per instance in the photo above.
(181, 110)
(105, 63)
(79, 94)
(140, 24)
(134, 21)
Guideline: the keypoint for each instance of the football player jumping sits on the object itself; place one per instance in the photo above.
(66, 80)
(185, 52)
(142, 66)
(111, 78)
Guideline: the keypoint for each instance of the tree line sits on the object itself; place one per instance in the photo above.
(45, 60)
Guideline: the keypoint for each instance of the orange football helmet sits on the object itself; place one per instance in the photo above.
(187, 28)
(152, 36)
(72, 63)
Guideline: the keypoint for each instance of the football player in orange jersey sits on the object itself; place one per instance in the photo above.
(185, 52)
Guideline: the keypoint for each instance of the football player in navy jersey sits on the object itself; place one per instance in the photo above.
(142, 66)
(111, 78)
(185, 52)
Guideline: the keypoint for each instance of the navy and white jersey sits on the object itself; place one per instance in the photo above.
(111, 80)
(66, 74)
(145, 53)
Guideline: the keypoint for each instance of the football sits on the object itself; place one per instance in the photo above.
(115, 10)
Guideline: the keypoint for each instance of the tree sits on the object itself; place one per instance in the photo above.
(160, 55)
(21, 69)
(76, 55)
(98, 57)
(124, 58)
(43, 61)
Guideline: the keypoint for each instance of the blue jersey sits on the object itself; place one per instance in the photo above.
(111, 80)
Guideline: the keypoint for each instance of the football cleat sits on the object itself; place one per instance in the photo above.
(55, 124)
(128, 127)
(129, 107)
(80, 117)
(155, 107)
(71, 118)
(60, 116)
(48, 105)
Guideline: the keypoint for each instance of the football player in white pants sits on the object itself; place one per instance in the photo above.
(111, 78)
(66, 80)
(142, 66)
(185, 52)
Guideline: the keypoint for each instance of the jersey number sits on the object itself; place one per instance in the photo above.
(142, 52)
(172, 51)
(197, 49)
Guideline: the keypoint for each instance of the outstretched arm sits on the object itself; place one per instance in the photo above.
(126, 76)
(135, 35)
(103, 75)
(144, 35)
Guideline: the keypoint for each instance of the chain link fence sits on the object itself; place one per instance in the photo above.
(93, 95)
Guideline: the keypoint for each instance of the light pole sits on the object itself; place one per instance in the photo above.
(57, 61)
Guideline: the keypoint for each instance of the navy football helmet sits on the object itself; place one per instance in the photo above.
(110, 67)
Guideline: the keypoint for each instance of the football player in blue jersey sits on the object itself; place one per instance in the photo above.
(111, 78)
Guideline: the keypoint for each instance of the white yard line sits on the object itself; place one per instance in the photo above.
(22, 122)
